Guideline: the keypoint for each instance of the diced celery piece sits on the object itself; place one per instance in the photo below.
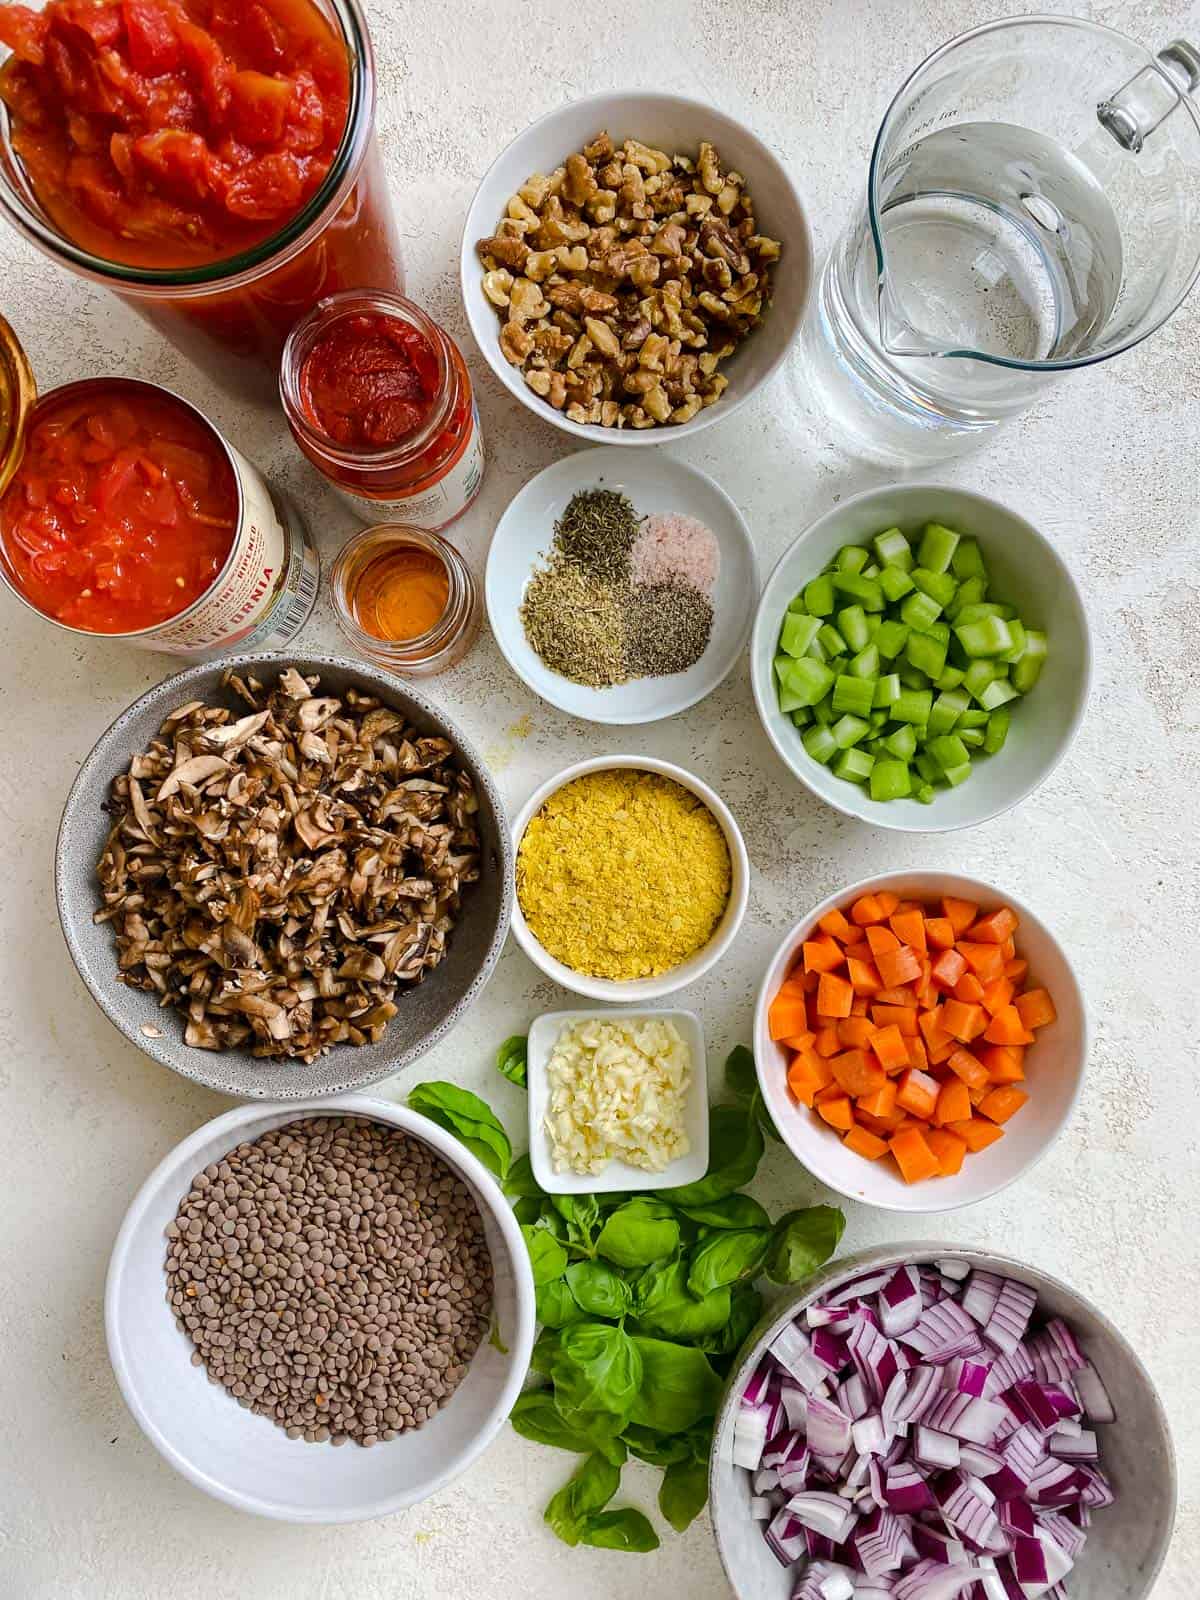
(950, 679)
(890, 780)
(967, 560)
(865, 590)
(971, 737)
(851, 558)
(937, 547)
(849, 730)
(817, 650)
(797, 602)
(802, 716)
(990, 636)
(919, 611)
(939, 586)
(855, 765)
(874, 623)
(970, 592)
(928, 767)
(972, 718)
(998, 693)
(831, 640)
(878, 720)
(890, 638)
(947, 709)
(818, 596)
(1028, 669)
(820, 743)
(996, 731)
(956, 775)
(876, 746)
(807, 682)
(838, 664)
(865, 664)
(871, 570)
(853, 694)
(902, 743)
(912, 705)
(925, 653)
(823, 711)
(981, 609)
(924, 792)
(895, 583)
(939, 630)
(852, 625)
(798, 633)
(911, 677)
(1017, 648)
(948, 751)
(977, 677)
(892, 549)
(887, 690)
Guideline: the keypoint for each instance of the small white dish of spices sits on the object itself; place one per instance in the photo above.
(618, 1100)
(632, 878)
(621, 585)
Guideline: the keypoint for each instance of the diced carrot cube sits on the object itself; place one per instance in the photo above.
(838, 1113)
(855, 1033)
(948, 969)
(953, 1102)
(831, 1091)
(1005, 1063)
(904, 1017)
(786, 1018)
(904, 995)
(923, 988)
(912, 1155)
(1003, 1103)
(918, 1056)
(880, 1104)
(939, 933)
(909, 928)
(881, 940)
(1008, 949)
(996, 996)
(822, 955)
(860, 950)
(1006, 1027)
(960, 913)
(887, 901)
(890, 1047)
(1016, 969)
(995, 928)
(1035, 1008)
(969, 1068)
(969, 989)
(863, 977)
(984, 960)
(964, 1022)
(857, 1073)
(835, 925)
(976, 1134)
(865, 1143)
(978, 1096)
(949, 1150)
(883, 1127)
(799, 1041)
(917, 1093)
(802, 1081)
(834, 996)
(898, 967)
(810, 980)
(867, 910)
(827, 1042)
(859, 1006)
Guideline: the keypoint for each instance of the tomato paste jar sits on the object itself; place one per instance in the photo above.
(379, 399)
(123, 512)
(211, 161)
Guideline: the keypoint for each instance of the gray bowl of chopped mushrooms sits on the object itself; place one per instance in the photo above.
(303, 885)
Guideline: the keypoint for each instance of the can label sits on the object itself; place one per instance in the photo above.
(431, 506)
(266, 589)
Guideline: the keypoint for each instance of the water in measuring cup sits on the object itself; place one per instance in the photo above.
(995, 239)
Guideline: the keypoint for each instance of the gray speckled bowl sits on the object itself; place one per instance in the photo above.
(1126, 1543)
(426, 1012)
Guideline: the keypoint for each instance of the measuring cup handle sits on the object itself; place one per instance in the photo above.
(1138, 109)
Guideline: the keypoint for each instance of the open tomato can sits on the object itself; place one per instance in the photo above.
(125, 514)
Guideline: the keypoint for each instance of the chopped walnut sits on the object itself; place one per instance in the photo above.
(624, 277)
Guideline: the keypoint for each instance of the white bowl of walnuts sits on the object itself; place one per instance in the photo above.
(635, 267)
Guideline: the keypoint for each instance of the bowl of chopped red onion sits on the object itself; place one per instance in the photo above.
(923, 1422)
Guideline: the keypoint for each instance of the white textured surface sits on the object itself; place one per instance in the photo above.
(1106, 851)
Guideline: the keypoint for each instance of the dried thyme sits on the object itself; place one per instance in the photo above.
(596, 532)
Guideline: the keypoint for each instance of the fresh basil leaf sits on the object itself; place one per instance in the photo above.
(678, 1386)
(657, 1449)
(598, 1289)
(639, 1232)
(511, 1060)
(556, 1306)
(546, 1256)
(527, 1210)
(802, 1241)
(740, 1077)
(735, 1211)
(597, 1374)
(535, 1416)
(746, 1306)
(580, 1213)
(626, 1529)
(545, 1349)
(735, 1145)
(663, 1305)
(765, 1120)
(589, 1490)
(469, 1118)
(726, 1258)
(520, 1181)
(683, 1493)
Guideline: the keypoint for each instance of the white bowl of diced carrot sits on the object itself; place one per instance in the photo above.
(920, 1040)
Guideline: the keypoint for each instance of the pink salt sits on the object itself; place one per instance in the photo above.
(676, 549)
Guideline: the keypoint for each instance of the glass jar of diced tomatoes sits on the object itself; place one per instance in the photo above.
(213, 162)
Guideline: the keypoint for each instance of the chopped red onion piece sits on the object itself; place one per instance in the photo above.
(1009, 1321)
(758, 1385)
(900, 1303)
(829, 1348)
(980, 1295)
(818, 1546)
(765, 1479)
(1016, 1517)
(922, 1386)
(784, 1449)
(1038, 1574)
(928, 1581)
(853, 1398)
(967, 1376)
(879, 1542)
(1096, 1403)
(826, 1514)
(906, 1490)
(1063, 1338)
(934, 1449)
(1064, 1532)
(761, 1508)
(944, 1331)
(1083, 1446)
(1056, 1483)
(1099, 1491)
(792, 1349)
(749, 1437)
(1018, 1363)
(949, 1267)
(934, 1544)
(828, 1427)
(875, 1358)
(975, 1421)
(785, 1537)
(1042, 1403)
(812, 1584)
(794, 1401)
(861, 1288)
(967, 1513)
(828, 1316)
(869, 1435)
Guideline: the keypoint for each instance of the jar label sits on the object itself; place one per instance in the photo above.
(432, 506)
(264, 594)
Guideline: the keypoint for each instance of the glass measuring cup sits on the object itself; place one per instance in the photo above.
(1033, 206)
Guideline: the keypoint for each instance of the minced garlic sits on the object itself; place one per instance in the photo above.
(617, 1092)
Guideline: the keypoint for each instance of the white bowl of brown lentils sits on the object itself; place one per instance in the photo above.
(297, 1277)
(635, 267)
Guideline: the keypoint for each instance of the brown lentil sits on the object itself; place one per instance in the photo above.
(333, 1275)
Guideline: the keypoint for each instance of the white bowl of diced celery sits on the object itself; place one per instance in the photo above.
(921, 658)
